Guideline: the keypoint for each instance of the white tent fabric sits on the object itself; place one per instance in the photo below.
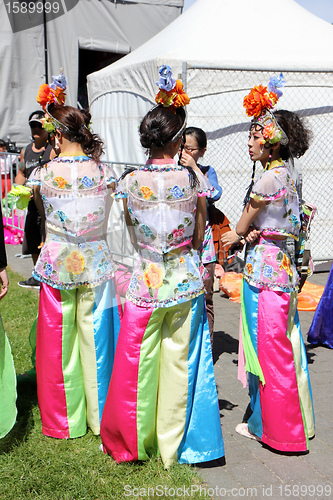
(228, 34)
(104, 25)
(228, 46)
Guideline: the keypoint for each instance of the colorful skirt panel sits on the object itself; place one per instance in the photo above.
(279, 385)
(8, 410)
(162, 396)
(77, 332)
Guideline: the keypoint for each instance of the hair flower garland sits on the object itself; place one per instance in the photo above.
(166, 82)
(271, 133)
(258, 100)
(171, 92)
(53, 93)
(259, 103)
(275, 83)
(48, 124)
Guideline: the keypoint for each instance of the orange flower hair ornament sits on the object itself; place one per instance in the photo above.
(259, 103)
(171, 92)
(53, 94)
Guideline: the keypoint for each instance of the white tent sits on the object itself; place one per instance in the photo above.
(221, 48)
(101, 25)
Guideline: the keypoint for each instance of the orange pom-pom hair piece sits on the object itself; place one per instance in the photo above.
(258, 100)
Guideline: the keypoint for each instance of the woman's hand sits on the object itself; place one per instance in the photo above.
(4, 283)
(252, 235)
(186, 160)
(230, 238)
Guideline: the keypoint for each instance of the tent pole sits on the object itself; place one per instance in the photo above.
(184, 74)
(45, 44)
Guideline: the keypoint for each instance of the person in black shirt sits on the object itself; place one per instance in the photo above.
(37, 153)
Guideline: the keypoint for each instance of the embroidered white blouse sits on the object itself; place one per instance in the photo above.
(268, 262)
(77, 201)
(281, 214)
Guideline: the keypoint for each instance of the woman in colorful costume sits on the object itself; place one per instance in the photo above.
(275, 358)
(78, 318)
(321, 329)
(162, 396)
(8, 410)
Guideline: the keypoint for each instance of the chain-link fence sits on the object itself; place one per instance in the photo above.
(217, 107)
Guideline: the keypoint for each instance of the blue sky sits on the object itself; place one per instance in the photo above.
(321, 8)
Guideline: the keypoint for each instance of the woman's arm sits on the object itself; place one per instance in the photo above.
(252, 209)
(212, 177)
(200, 222)
(4, 283)
(20, 176)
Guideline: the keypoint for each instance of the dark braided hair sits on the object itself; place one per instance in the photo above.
(249, 189)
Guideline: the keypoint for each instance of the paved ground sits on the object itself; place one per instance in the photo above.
(251, 470)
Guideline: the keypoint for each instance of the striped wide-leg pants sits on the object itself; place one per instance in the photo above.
(77, 332)
(162, 396)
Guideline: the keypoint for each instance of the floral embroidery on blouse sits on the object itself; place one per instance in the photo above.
(143, 191)
(62, 216)
(176, 192)
(87, 182)
(146, 231)
(208, 249)
(74, 263)
(168, 280)
(146, 192)
(280, 214)
(60, 182)
(267, 265)
(153, 276)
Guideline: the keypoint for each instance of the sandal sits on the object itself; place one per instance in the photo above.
(243, 430)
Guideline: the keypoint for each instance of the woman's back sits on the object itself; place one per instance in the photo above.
(74, 191)
(162, 205)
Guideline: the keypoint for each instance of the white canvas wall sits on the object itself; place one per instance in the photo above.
(92, 24)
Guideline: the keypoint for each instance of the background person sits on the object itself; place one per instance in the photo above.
(194, 148)
(275, 358)
(37, 153)
(321, 329)
(162, 396)
(5, 166)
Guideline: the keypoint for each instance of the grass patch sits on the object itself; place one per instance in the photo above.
(33, 466)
